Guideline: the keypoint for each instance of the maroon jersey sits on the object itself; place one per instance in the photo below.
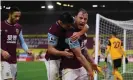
(56, 37)
(73, 63)
(9, 37)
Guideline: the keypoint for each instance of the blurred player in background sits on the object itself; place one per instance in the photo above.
(116, 51)
(56, 44)
(11, 32)
(99, 50)
(77, 67)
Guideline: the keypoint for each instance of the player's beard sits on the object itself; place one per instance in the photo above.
(80, 26)
(13, 21)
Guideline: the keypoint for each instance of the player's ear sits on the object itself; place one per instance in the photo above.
(75, 17)
(61, 22)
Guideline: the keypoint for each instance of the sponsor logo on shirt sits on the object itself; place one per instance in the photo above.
(11, 39)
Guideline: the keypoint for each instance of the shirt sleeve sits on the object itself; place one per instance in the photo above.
(70, 42)
(52, 39)
(22, 42)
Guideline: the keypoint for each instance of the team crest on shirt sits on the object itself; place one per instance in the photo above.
(17, 31)
(6, 30)
(52, 39)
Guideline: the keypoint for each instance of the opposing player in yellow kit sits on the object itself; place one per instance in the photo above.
(116, 52)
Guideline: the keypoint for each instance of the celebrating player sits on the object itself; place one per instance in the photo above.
(57, 45)
(74, 68)
(11, 32)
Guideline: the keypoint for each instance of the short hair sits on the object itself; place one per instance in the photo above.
(13, 9)
(114, 33)
(66, 18)
(81, 10)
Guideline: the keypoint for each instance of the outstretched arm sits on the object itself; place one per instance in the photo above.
(75, 47)
(88, 56)
(91, 60)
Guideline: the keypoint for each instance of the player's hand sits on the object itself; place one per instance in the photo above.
(29, 52)
(95, 67)
(91, 75)
(5, 54)
(75, 35)
(68, 53)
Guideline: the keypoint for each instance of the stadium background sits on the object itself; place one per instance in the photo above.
(36, 21)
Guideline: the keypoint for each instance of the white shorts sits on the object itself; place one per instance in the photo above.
(74, 74)
(8, 70)
(52, 69)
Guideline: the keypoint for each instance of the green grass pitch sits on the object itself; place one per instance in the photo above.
(31, 71)
(37, 71)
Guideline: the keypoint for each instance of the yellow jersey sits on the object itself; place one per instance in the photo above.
(115, 48)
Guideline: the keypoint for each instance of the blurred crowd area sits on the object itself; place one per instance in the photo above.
(39, 23)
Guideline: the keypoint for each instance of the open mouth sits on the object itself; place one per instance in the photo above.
(81, 24)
